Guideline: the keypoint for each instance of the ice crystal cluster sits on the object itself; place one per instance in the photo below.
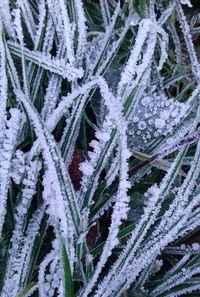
(155, 115)
(99, 148)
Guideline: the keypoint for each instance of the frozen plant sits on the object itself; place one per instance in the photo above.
(155, 115)
(99, 148)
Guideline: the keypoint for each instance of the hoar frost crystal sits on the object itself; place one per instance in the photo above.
(155, 115)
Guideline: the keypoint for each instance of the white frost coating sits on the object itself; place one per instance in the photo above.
(6, 154)
(67, 100)
(81, 94)
(18, 167)
(63, 26)
(141, 96)
(155, 115)
(53, 189)
(159, 123)
(155, 197)
(147, 35)
(18, 25)
(55, 65)
(188, 40)
(86, 168)
(50, 279)
(43, 290)
(191, 289)
(179, 216)
(68, 31)
(103, 43)
(49, 35)
(20, 253)
(137, 263)
(120, 207)
(166, 13)
(53, 90)
(113, 170)
(164, 40)
(142, 125)
(129, 70)
(24, 7)
(186, 2)
(20, 37)
(5, 15)
(136, 65)
(40, 25)
(3, 86)
(82, 30)
(105, 12)
(51, 97)
(178, 279)
(166, 285)
(113, 47)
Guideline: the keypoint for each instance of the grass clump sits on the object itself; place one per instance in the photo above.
(99, 148)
